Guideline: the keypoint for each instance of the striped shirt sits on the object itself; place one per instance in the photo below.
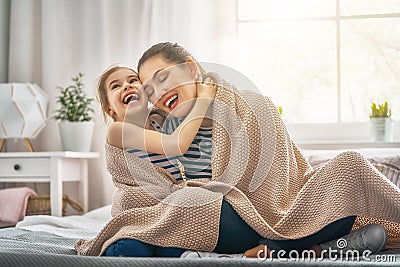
(197, 160)
(169, 164)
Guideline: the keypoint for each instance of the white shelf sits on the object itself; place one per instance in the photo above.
(56, 154)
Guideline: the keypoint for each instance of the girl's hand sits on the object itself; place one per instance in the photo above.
(206, 89)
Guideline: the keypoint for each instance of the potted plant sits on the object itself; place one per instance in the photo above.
(381, 122)
(75, 116)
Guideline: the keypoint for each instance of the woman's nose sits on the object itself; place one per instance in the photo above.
(160, 92)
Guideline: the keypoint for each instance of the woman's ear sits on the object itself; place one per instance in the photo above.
(192, 68)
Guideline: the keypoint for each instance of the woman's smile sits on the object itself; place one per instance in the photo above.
(171, 102)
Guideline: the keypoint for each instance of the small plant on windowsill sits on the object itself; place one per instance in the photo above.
(381, 122)
(380, 110)
(75, 116)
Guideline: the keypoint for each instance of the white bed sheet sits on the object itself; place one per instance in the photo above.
(85, 226)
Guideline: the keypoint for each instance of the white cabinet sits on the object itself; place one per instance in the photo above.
(52, 167)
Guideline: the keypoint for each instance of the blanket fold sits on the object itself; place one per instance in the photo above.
(258, 169)
(13, 203)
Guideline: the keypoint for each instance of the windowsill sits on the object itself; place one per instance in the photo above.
(339, 136)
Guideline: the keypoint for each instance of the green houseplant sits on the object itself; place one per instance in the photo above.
(75, 116)
(381, 122)
(380, 110)
(74, 104)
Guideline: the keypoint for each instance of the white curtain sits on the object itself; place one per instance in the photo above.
(52, 40)
(4, 38)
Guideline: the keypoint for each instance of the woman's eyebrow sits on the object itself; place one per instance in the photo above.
(156, 73)
(145, 85)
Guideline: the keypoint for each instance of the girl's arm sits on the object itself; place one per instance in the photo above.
(155, 142)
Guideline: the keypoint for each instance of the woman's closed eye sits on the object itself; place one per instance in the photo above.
(149, 90)
(162, 77)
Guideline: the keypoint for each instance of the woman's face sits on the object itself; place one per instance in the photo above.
(125, 90)
(169, 86)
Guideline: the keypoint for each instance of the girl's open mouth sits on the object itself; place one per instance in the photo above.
(130, 98)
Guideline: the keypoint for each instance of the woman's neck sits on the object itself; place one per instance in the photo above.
(207, 123)
(208, 118)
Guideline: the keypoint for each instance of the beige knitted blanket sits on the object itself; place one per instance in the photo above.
(258, 170)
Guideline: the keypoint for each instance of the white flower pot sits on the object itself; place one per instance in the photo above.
(76, 136)
(382, 129)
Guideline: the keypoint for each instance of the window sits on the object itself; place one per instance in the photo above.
(323, 61)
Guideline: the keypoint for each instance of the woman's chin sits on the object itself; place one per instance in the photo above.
(181, 110)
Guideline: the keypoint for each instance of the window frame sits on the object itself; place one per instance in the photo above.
(338, 134)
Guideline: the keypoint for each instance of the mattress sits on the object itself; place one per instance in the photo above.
(43, 240)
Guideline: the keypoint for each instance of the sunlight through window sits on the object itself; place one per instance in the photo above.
(320, 63)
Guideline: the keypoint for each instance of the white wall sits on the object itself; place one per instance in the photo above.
(54, 40)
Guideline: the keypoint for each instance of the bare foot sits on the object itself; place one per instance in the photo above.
(317, 249)
(258, 252)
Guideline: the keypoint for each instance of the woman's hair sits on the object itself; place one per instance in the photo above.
(102, 89)
(171, 52)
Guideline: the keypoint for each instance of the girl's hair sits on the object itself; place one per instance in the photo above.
(102, 89)
(171, 52)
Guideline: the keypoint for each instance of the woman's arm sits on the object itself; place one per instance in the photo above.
(155, 142)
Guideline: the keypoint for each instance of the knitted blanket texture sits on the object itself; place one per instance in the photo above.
(258, 169)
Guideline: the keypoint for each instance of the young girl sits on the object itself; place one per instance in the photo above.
(123, 99)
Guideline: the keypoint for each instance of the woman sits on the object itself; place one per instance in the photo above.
(155, 72)
(259, 181)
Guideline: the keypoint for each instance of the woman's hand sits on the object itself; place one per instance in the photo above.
(206, 89)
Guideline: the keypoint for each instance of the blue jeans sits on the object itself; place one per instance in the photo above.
(136, 248)
(330, 232)
(235, 236)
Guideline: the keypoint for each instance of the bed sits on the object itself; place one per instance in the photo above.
(49, 241)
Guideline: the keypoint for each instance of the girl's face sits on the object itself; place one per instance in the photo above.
(125, 90)
(169, 85)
